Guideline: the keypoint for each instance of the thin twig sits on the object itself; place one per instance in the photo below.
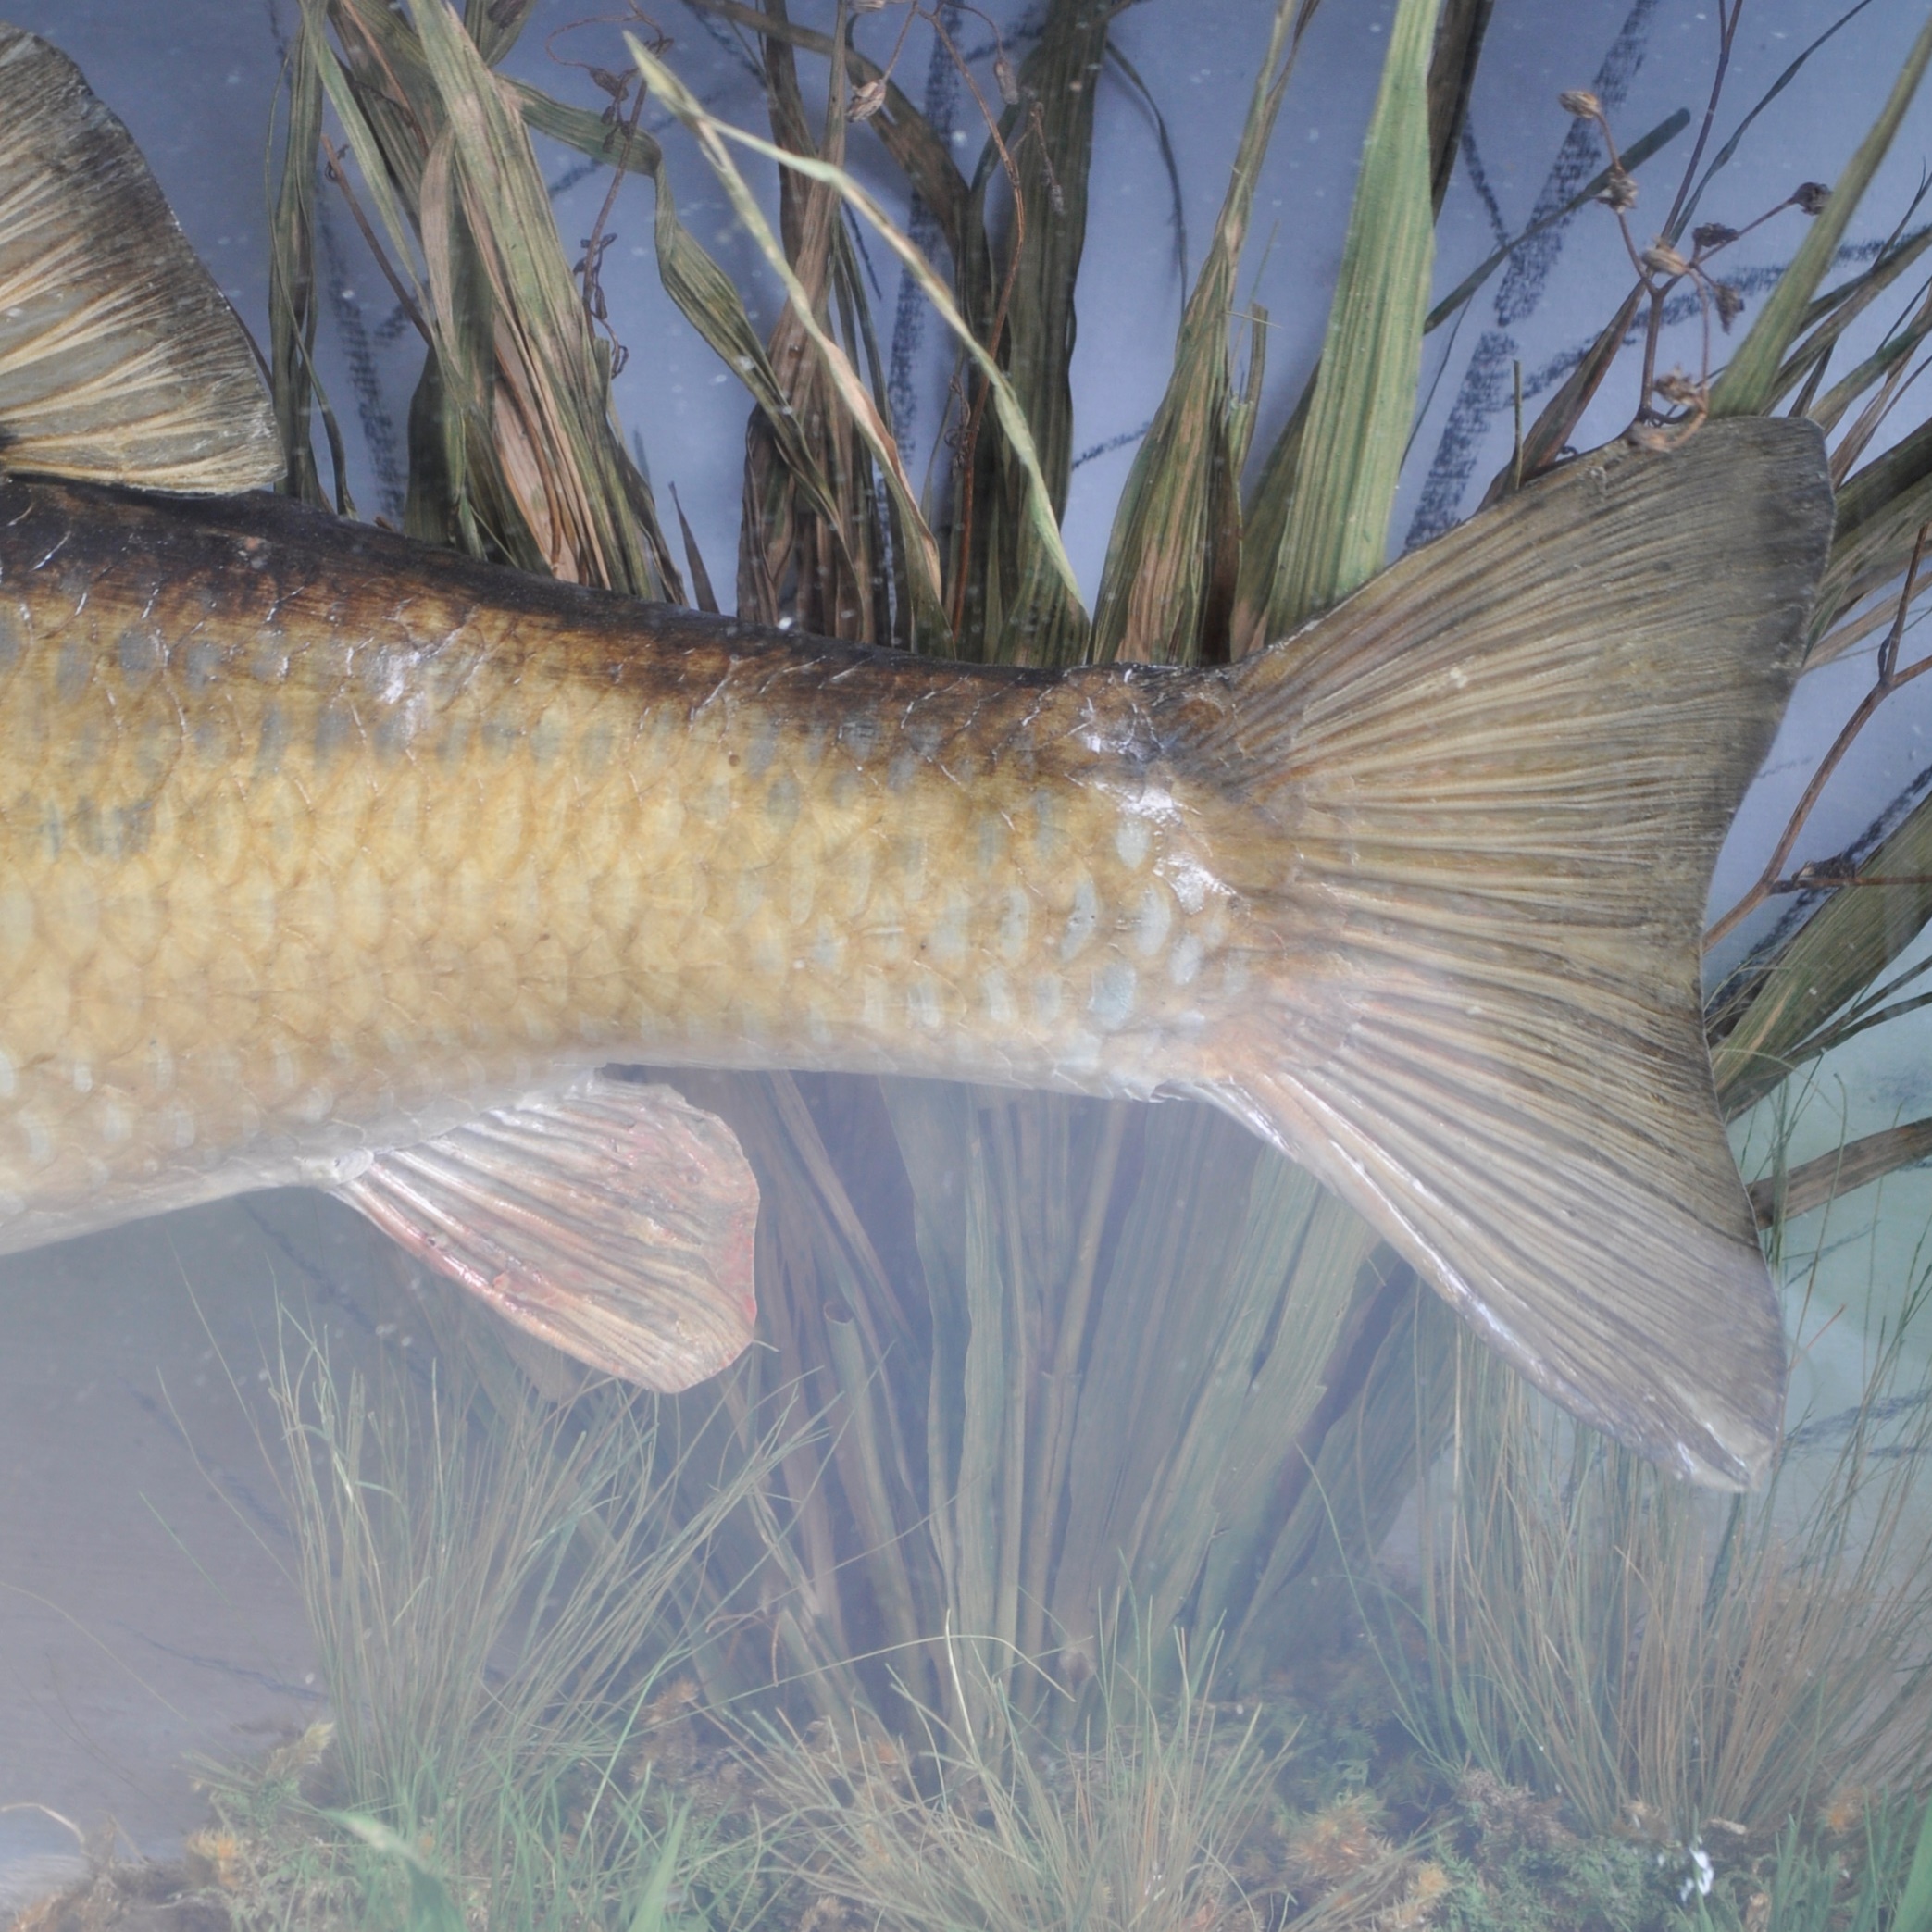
(332, 168)
(1889, 680)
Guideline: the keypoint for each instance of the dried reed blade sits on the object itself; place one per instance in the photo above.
(1265, 525)
(1019, 299)
(904, 132)
(1858, 1163)
(292, 249)
(631, 150)
(929, 623)
(1452, 67)
(550, 402)
(1550, 435)
(1832, 314)
(713, 134)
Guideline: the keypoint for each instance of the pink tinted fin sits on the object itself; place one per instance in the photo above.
(614, 1221)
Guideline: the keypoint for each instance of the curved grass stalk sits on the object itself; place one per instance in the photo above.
(711, 134)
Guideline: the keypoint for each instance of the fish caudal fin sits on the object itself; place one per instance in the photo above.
(119, 360)
(1494, 783)
(614, 1221)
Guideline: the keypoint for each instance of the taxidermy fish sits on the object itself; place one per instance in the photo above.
(328, 858)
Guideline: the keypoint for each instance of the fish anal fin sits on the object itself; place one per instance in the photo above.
(615, 1222)
(1501, 772)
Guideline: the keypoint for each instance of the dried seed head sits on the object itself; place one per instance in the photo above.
(1580, 102)
(1619, 191)
(1660, 258)
(867, 100)
(1811, 196)
(1676, 387)
(1712, 234)
(1653, 437)
(1008, 80)
(1730, 304)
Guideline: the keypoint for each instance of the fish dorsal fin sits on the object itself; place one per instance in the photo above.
(1491, 789)
(119, 360)
(614, 1221)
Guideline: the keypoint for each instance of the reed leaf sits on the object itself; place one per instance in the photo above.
(1181, 503)
(1155, 1320)
(1351, 450)
(631, 150)
(1354, 1468)
(1834, 312)
(1452, 67)
(1748, 385)
(1270, 1328)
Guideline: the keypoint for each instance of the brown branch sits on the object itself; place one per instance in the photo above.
(1854, 1166)
(1889, 680)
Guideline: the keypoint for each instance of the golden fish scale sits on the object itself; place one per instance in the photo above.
(295, 839)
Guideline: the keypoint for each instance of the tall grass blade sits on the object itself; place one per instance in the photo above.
(1914, 1907)
(650, 1916)
(1182, 505)
(1749, 383)
(1364, 395)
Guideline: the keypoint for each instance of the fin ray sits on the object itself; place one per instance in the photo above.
(615, 1222)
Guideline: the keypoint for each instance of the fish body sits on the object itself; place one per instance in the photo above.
(328, 858)
(315, 841)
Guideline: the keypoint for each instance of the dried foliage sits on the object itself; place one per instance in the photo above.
(1666, 1665)
(1139, 1821)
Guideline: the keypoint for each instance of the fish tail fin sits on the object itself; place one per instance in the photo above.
(1493, 785)
(120, 360)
